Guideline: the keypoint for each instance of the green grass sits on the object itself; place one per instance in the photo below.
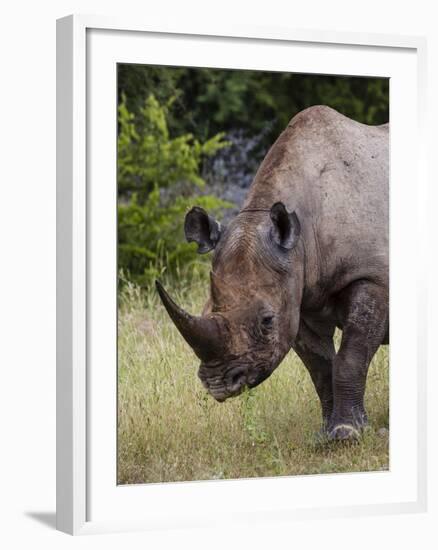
(170, 429)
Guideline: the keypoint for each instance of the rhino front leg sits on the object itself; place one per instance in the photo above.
(316, 350)
(363, 312)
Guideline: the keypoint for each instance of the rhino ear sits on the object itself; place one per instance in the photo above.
(286, 227)
(202, 229)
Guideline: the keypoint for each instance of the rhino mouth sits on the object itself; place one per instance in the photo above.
(222, 395)
(221, 386)
(235, 382)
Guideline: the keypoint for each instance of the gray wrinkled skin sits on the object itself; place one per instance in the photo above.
(282, 280)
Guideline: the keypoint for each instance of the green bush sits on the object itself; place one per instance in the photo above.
(158, 178)
(207, 101)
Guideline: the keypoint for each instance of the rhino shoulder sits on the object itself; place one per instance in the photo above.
(316, 114)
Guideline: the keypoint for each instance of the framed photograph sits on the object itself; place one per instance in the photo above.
(240, 218)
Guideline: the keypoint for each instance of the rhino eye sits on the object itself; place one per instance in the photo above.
(267, 321)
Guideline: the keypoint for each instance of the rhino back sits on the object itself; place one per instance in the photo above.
(333, 172)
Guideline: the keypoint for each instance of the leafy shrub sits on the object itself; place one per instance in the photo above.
(158, 178)
(210, 100)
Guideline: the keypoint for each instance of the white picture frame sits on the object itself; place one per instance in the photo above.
(86, 503)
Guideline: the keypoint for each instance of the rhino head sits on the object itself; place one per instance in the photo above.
(251, 318)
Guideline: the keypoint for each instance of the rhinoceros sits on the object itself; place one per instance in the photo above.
(308, 252)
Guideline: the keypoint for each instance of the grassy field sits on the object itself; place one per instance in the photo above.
(170, 429)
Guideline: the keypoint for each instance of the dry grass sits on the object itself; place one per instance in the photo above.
(170, 429)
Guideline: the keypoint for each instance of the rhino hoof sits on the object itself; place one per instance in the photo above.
(344, 432)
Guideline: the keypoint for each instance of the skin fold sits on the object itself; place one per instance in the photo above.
(307, 253)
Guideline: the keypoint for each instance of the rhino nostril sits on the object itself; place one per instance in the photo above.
(237, 380)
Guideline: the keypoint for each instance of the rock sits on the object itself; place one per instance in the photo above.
(230, 173)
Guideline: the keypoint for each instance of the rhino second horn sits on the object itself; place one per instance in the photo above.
(201, 333)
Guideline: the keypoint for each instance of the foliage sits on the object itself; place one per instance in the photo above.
(211, 100)
(157, 177)
(137, 82)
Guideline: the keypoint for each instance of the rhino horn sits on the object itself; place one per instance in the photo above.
(203, 334)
